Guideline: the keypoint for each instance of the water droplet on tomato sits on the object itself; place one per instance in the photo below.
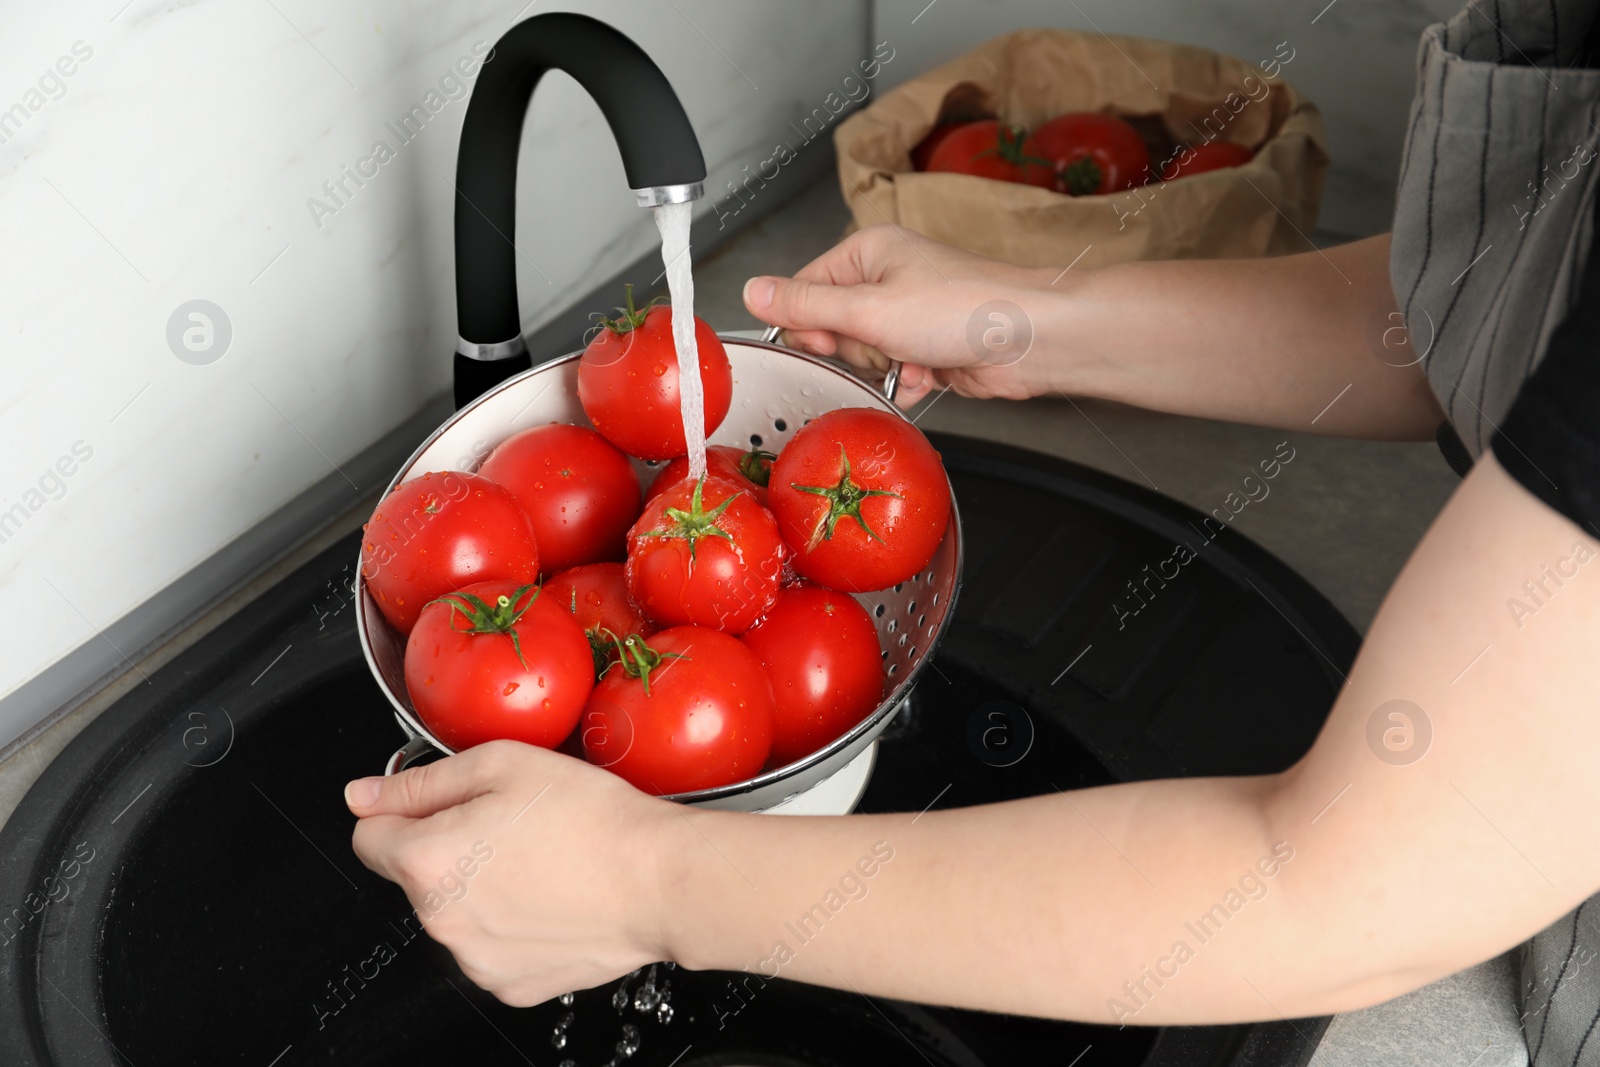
(541, 681)
(545, 704)
(511, 687)
(593, 597)
(659, 369)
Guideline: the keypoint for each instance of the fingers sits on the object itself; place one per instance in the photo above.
(852, 261)
(858, 354)
(817, 342)
(422, 791)
(861, 355)
(798, 304)
(915, 383)
(376, 843)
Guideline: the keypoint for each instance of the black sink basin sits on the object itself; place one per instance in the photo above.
(178, 888)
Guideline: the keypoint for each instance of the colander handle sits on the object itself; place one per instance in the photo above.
(891, 380)
(413, 750)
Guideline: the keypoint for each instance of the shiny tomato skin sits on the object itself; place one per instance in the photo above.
(979, 148)
(597, 595)
(705, 722)
(469, 688)
(722, 461)
(886, 454)
(821, 653)
(1216, 155)
(438, 533)
(1118, 156)
(727, 583)
(628, 385)
(580, 492)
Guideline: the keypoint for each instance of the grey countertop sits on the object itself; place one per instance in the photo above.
(1346, 515)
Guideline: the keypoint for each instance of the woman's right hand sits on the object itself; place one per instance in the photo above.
(954, 319)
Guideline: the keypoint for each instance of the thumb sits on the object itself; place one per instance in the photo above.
(797, 304)
(422, 791)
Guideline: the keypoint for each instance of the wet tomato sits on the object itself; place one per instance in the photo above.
(597, 596)
(581, 494)
(820, 651)
(689, 709)
(498, 660)
(748, 469)
(704, 552)
(628, 381)
(438, 533)
(862, 499)
(1093, 153)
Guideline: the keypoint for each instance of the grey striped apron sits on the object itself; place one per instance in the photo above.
(1492, 228)
(1492, 216)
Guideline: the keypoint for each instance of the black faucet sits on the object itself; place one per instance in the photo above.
(660, 155)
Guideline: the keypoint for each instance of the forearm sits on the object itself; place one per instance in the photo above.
(1062, 906)
(1266, 341)
(1399, 861)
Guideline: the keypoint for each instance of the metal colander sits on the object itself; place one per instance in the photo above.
(775, 390)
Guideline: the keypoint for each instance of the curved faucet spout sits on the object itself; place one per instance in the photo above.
(660, 156)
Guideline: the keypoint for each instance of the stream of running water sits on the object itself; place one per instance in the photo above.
(673, 222)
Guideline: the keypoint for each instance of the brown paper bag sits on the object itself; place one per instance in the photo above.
(1173, 93)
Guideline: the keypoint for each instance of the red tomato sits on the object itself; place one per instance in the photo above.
(748, 470)
(705, 553)
(861, 497)
(989, 149)
(597, 595)
(580, 493)
(692, 709)
(628, 381)
(821, 653)
(438, 533)
(1094, 153)
(498, 660)
(923, 152)
(1215, 155)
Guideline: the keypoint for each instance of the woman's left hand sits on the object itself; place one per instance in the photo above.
(537, 871)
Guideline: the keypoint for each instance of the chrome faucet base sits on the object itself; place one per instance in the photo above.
(516, 346)
(656, 195)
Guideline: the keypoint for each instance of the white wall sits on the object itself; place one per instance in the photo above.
(176, 162)
(1356, 59)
